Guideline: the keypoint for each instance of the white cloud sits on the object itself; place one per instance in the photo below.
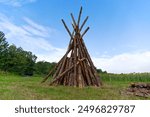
(125, 63)
(32, 37)
(16, 3)
(37, 29)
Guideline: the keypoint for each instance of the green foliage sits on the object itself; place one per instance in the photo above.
(16, 60)
(100, 71)
(43, 67)
(3, 43)
(20, 61)
(132, 77)
(3, 49)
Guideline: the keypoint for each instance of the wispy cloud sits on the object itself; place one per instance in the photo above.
(16, 3)
(125, 63)
(37, 29)
(32, 37)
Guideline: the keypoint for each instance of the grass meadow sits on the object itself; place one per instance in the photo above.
(13, 87)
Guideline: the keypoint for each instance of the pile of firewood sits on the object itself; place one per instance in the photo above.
(76, 67)
(139, 89)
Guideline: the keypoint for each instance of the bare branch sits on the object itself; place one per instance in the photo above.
(85, 31)
(83, 23)
(79, 16)
(73, 19)
(66, 28)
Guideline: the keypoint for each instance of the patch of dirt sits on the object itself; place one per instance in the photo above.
(139, 89)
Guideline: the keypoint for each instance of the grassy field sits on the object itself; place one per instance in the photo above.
(14, 87)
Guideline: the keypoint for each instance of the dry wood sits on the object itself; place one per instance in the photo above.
(85, 31)
(66, 76)
(57, 70)
(139, 89)
(74, 22)
(79, 16)
(80, 79)
(60, 76)
(89, 58)
(66, 27)
(75, 60)
(83, 51)
(50, 73)
(62, 68)
(69, 73)
(76, 67)
(83, 23)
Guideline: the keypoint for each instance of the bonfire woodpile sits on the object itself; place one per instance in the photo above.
(139, 89)
(76, 67)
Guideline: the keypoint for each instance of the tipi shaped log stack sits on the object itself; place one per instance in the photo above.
(76, 67)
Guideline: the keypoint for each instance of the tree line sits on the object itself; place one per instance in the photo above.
(16, 60)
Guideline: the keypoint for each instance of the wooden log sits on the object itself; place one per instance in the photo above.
(70, 45)
(84, 50)
(82, 44)
(61, 81)
(57, 71)
(70, 76)
(81, 55)
(61, 61)
(60, 76)
(75, 60)
(84, 23)
(64, 58)
(80, 80)
(63, 65)
(84, 77)
(71, 39)
(91, 75)
(87, 55)
(79, 16)
(90, 61)
(83, 71)
(87, 74)
(66, 28)
(66, 76)
(74, 22)
(85, 32)
(69, 49)
(50, 73)
(99, 81)
(74, 28)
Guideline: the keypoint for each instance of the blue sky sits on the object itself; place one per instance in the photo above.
(118, 39)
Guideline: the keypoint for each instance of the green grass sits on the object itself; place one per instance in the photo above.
(14, 87)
